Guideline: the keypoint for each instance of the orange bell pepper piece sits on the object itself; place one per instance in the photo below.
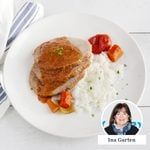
(114, 53)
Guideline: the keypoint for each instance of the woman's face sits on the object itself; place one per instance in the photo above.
(121, 118)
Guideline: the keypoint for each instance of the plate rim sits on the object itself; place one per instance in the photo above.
(78, 14)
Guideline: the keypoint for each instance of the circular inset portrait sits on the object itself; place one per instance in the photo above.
(121, 117)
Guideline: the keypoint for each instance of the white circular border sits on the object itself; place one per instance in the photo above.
(123, 101)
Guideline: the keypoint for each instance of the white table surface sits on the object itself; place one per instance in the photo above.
(133, 16)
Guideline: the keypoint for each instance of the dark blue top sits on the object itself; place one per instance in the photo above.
(132, 131)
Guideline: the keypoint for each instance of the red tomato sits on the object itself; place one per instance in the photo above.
(104, 42)
(100, 42)
(95, 49)
(94, 40)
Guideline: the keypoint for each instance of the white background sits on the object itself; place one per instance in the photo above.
(133, 16)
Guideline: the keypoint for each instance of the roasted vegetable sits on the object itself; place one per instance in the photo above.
(114, 53)
(67, 110)
(65, 99)
(100, 42)
(53, 106)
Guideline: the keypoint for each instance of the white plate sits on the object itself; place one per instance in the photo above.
(19, 61)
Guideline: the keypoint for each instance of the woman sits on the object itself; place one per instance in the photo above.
(120, 121)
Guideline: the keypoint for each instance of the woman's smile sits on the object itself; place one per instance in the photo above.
(121, 117)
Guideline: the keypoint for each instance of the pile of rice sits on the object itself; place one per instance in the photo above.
(97, 88)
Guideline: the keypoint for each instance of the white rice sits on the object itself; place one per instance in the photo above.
(97, 89)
